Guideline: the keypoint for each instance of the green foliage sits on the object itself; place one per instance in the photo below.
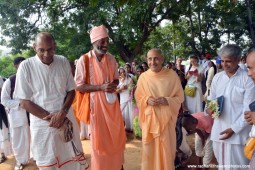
(136, 129)
(6, 63)
(134, 26)
(171, 39)
(6, 66)
(129, 23)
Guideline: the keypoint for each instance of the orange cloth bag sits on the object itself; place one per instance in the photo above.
(249, 147)
(82, 103)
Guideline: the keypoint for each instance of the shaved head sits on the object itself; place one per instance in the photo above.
(42, 36)
(44, 47)
(155, 59)
(157, 51)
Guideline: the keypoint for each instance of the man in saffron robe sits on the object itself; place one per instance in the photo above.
(106, 124)
(159, 95)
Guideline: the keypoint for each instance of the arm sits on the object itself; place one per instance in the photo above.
(6, 96)
(106, 87)
(249, 95)
(212, 96)
(209, 77)
(203, 135)
(249, 117)
(200, 77)
(68, 100)
(33, 108)
(80, 77)
(57, 119)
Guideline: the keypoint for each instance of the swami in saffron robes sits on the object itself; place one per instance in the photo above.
(159, 96)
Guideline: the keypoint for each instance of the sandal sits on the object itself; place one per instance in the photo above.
(3, 158)
(19, 167)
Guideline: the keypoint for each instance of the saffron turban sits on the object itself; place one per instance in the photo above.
(98, 33)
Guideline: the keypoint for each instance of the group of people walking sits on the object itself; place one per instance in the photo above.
(45, 88)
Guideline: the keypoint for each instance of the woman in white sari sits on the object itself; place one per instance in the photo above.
(125, 101)
(194, 77)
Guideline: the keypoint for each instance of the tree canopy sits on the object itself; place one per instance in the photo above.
(134, 25)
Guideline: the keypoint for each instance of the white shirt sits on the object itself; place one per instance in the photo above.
(243, 66)
(238, 92)
(125, 94)
(45, 85)
(1, 83)
(204, 65)
(17, 116)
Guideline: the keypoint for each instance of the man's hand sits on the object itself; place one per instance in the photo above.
(227, 134)
(209, 111)
(157, 101)
(109, 87)
(56, 119)
(249, 117)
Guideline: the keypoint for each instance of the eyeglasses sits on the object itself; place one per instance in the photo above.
(43, 51)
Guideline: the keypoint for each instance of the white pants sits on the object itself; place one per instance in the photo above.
(69, 166)
(5, 144)
(205, 151)
(84, 130)
(229, 156)
(126, 110)
(20, 138)
(185, 148)
(52, 153)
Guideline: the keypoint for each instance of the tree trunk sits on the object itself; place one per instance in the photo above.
(250, 24)
(193, 43)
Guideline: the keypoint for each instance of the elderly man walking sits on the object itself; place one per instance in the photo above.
(106, 124)
(45, 87)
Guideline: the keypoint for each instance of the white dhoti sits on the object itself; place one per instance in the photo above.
(185, 148)
(20, 138)
(85, 131)
(230, 156)
(51, 152)
(205, 151)
(126, 109)
(5, 145)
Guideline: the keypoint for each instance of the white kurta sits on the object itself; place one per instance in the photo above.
(17, 116)
(19, 128)
(126, 104)
(238, 92)
(47, 86)
(194, 104)
(5, 145)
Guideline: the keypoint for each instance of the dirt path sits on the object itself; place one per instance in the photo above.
(132, 155)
